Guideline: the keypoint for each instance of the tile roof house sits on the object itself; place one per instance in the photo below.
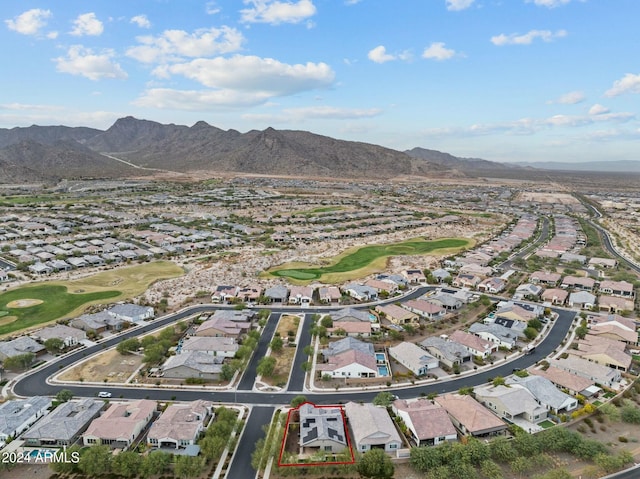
(582, 300)
(372, 428)
(415, 276)
(131, 313)
(64, 425)
(475, 345)
(329, 294)
(361, 292)
(543, 277)
(447, 301)
(495, 333)
(617, 288)
(337, 347)
(511, 403)
(351, 363)
(224, 293)
(300, 295)
(448, 352)
(97, 322)
(381, 286)
(396, 314)
(214, 345)
(470, 417)
(350, 315)
(193, 364)
(555, 296)
(180, 425)
(120, 425)
(601, 350)
(615, 304)
(277, 294)
(69, 336)
(425, 309)
(16, 415)
(413, 357)
(428, 424)
(322, 427)
(615, 331)
(578, 282)
(597, 373)
(492, 285)
(571, 382)
(547, 395)
(225, 322)
(528, 291)
(18, 346)
(466, 280)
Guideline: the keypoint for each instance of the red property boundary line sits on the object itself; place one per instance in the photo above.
(305, 464)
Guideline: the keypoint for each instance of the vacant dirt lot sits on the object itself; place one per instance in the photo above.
(109, 367)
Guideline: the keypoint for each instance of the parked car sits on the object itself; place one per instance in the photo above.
(104, 394)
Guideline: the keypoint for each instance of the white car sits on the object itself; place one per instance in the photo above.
(104, 394)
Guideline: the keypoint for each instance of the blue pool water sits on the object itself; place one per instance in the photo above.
(380, 357)
(383, 371)
(373, 318)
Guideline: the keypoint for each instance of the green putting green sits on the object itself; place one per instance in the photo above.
(363, 257)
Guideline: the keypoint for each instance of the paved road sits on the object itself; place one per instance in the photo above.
(241, 464)
(296, 380)
(250, 374)
(543, 236)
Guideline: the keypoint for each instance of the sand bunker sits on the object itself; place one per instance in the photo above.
(24, 303)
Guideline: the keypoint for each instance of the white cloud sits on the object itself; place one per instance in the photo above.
(437, 51)
(598, 109)
(527, 38)
(276, 12)
(212, 8)
(142, 21)
(379, 55)
(570, 98)
(549, 3)
(87, 24)
(177, 44)
(29, 22)
(457, 5)
(351, 2)
(629, 83)
(315, 113)
(167, 98)
(253, 74)
(52, 35)
(82, 61)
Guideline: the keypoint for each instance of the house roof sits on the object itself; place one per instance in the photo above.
(350, 314)
(396, 312)
(279, 292)
(121, 419)
(66, 421)
(129, 310)
(470, 341)
(321, 423)
(180, 421)
(451, 351)
(196, 360)
(21, 345)
(60, 331)
(347, 358)
(423, 306)
(209, 343)
(504, 334)
(371, 424)
(515, 399)
(337, 347)
(15, 412)
(543, 390)
(428, 420)
(411, 355)
(582, 297)
(563, 378)
(470, 413)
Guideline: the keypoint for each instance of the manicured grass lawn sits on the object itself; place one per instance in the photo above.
(357, 261)
(57, 302)
(546, 424)
(69, 298)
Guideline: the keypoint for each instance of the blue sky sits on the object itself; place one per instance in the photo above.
(505, 80)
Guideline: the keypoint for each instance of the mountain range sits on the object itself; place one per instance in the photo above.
(132, 148)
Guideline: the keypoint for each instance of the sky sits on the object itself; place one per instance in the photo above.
(503, 80)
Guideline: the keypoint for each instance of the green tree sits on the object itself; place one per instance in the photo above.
(376, 464)
(187, 467)
(297, 401)
(227, 371)
(126, 464)
(276, 344)
(64, 395)
(266, 366)
(54, 345)
(154, 464)
(128, 346)
(384, 398)
(530, 333)
(19, 361)
(498, 381)
(535, 324)
(491, 470)
(66, 467)
(502, 451)
(213, 446)
(426, 458)
(96, 461)
(326, 321)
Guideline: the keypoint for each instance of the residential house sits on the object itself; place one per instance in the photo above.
(518, 311)
(301, 295)
(528, 291)
(337, 347)
(380, 286)
(573, 383)
(226, 322)
(18, 346)
(448, 353)
(514, 403)
(69, 336)
(470, 417)
(277, 294)
(415, 276)
(413, 357)
(361, 292)
(617, 288)
(425, 309)
(120, 424)
(497, 334)
(475, 345)
(16, 415)
(441, 275)
(604, 351)
(517, 327)
(131, 313)
(555, 296)
(351, 363)
(64, 425)
(475, 269)
(582, 300)
(615, 304)
(428, 424)
(492, 285)
(350, 315)
(180, 425)
(598, 373)
(322, 427)
(329, 294)
(603, 262)
(249, 294)
(545, 393)
(572, 257)
(466, 280)
(224, 293)
(546, 278)
(192, 364)
(372, 428)
(446, 301)
(222, 346)
(578, 282)
(97, 322)
(396, 314)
